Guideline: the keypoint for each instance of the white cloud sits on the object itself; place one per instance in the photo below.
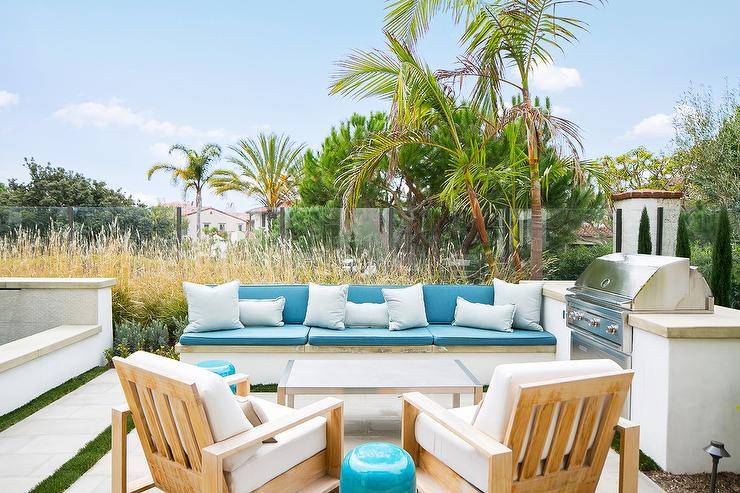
(551, 78)
(658, 126)
(559, 110)
(8, 99)
(115, 114)
(144, 198)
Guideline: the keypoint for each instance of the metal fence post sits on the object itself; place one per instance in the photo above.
(70, 221)
(178, 222)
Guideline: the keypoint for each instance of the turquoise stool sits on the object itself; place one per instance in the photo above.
(219, 367)
(377, 467)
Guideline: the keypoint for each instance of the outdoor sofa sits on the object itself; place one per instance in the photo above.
(263, 352)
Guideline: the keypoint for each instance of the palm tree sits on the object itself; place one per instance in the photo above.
(267, 168)
(195, 174)
(420, 105)
(507, 36)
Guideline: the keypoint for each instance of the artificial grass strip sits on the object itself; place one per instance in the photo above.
(9, 419)
(74, 468)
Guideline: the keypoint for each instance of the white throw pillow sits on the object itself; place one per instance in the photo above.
(527, 298)
(405, 307)
(366, 315)
(326, 306)
(484, 316)
(265, 313)
(212, 307)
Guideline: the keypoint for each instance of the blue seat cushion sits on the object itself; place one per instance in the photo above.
(287, 335)
(440, 300)
(452, 335)
(296, 298)
(369, 337)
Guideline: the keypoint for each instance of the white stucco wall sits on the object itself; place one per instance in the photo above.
(554, 322)
(631, 213)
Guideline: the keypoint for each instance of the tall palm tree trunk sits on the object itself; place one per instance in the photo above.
(199, 207)
(535, 198)
(480, 224)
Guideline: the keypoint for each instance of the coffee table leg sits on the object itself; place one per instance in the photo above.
(455, 400)
(291, 400)
(281, 396)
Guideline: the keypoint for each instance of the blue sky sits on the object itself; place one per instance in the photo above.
(104, 88)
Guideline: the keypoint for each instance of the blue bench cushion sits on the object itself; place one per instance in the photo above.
(287, 335)
(296, 298)
(369, 337)
(451, 335)
(440, 300)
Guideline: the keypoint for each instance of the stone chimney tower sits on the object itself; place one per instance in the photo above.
(663, 208)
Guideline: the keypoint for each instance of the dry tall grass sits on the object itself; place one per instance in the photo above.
(150, 274)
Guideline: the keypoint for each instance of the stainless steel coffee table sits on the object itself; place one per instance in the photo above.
(341, 376)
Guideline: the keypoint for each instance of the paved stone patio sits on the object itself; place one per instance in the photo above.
(34, 448)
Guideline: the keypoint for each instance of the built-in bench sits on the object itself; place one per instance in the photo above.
(263, 352)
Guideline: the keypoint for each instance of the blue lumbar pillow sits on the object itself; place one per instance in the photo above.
(373, 315)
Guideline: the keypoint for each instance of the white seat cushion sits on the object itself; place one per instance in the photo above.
(451, 450)
(272, 459)
(225, 416)
(498, 404)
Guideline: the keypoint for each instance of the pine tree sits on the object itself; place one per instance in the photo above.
(644, 241)
(722, 261)
(683, 244)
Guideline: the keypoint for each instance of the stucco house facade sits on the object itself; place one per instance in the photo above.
(233, 225)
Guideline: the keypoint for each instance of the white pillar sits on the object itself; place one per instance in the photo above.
(629, 205)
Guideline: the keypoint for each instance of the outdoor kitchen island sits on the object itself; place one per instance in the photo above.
(686, 389)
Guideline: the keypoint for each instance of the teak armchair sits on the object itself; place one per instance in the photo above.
(554, 432)
(171, 403)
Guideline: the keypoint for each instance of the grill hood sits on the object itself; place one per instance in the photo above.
(645, 283)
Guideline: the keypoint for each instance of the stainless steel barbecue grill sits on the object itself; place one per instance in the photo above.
(613, 286)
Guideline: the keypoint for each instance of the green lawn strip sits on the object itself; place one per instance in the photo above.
(9, 419)
(646, 462)
(74, 468)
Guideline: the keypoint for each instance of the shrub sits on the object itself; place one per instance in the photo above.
(568, 264)
(644, 241)
(683, 244)
(130, 336)
(722, 262)
(701, 257)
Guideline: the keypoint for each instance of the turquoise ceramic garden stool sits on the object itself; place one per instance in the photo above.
(219, 367)
(377, 467)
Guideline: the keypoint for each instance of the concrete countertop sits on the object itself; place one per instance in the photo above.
(56, 282)
(724, 323)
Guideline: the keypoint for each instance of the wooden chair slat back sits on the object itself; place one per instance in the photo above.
(548, 415)
(171, 423)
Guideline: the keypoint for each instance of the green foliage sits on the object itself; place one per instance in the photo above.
(639, 168)
(320, 170)
(722, 262)
(701, 257)
(319, 225)
(131, 336)
(683, 241)
(50, 186)
(568, 264)
(644, 240)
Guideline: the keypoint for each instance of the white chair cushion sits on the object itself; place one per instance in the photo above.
(225, 416)
(498, 404)
(272, 459)
(262, 313)
(326, 306)
(451, 450)
(405, 307)
(366, 315)
(528, 300)
(212, 307)
(484, 316)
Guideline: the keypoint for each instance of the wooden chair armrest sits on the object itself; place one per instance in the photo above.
(629, 455)
(121, 410)
(241, 381)
(472, 436)
(219, 451)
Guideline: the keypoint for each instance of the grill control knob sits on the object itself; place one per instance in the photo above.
(612, 329)
(594, 322)
(578, 315)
